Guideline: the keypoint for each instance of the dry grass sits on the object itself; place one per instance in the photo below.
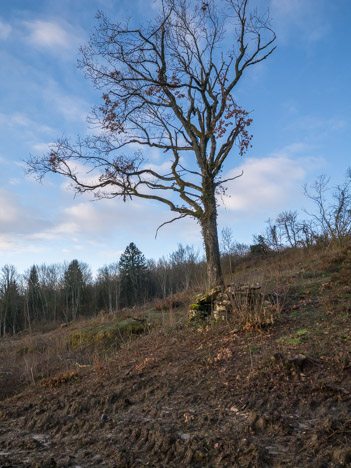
(253, 309)
(308, 284)
(50, 356)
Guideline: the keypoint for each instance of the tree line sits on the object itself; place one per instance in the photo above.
(63, 292)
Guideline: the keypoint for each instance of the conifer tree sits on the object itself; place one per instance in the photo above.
(134, 276)
(34, 300)
(74, 285)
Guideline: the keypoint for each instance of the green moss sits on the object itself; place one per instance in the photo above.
(208, 298)
(105, 335)
(289, 340)
(195, 307)
(302, 332)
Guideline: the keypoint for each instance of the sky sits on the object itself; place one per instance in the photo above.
(299, 100)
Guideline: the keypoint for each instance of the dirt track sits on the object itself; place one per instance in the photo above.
(198, 400)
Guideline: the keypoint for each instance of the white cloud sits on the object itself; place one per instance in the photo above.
(84, 216)
(80, 221)
(42, 147)
(69, 227)
(21, 120)
(5, 30)
(267, 184)
(50, 34)
(161, 168)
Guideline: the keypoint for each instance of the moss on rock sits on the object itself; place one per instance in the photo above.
(105, 335)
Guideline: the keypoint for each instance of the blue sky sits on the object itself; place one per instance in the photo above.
(300, 103)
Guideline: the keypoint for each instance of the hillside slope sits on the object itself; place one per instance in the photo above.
(209, 396)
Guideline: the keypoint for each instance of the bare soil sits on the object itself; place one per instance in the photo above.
(199, 400)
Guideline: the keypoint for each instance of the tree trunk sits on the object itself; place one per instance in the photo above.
(210, 236)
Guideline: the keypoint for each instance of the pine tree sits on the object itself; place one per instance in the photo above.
(74, 284)
(134, 276)
(35, 306)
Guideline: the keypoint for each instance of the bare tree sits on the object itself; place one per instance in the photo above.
(51, 280)
(168, 85)
(290, 227)
(273, 235)
(108, 284)
(333, 215)
(183, 262)
(228, 248)
(163, 274)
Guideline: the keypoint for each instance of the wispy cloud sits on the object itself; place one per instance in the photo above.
(17, 218)
(22, 120)
(73, 108)
(319, 124)
(5, 243)
(306, 17)
(316, 128)
(5, 30)
(50, 34)
(14, 181)
(111, 255)
(8, 209)
(20, 128)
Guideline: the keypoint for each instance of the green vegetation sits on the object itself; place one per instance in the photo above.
(105, 335)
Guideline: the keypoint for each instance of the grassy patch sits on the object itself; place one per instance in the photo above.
(302, 332)
(294, 341)
(106, 335)
(299, 336)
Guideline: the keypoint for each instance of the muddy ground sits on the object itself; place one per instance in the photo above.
(190, 398)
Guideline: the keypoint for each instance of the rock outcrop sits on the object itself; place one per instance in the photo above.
(245, 303)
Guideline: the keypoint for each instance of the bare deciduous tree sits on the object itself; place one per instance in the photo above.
(290, 227)
(168, 85)
(333, 215)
